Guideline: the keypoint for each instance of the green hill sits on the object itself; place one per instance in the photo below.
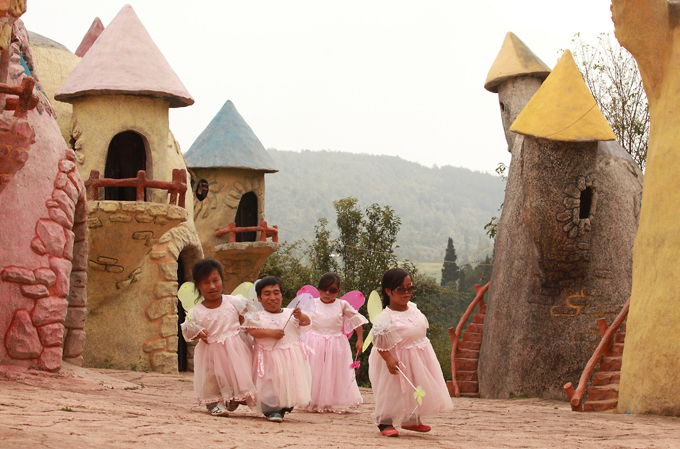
(433, 203)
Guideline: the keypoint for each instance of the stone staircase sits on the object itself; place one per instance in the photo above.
(603, 394)
(467, 355)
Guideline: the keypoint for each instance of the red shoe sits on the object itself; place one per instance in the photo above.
(390, 432)
(418, 428)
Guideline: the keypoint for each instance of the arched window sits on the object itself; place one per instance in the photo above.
(126, 156)
(246, 215)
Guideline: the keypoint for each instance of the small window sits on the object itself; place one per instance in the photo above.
(202, 189)
(502, 107)
(586, 203)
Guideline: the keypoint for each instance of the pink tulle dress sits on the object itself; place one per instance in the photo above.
(222, 367)
(334, 387)
(404, 335)
(282, 374)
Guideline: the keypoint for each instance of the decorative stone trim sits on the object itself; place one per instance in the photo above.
(574, 226)
(161, 350)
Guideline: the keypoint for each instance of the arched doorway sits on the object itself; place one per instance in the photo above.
(182, 361)
(246, 215)
(126, 156)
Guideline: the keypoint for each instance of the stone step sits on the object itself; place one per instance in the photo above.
(600, 406)
(474, 327)
(474, 345)
(472, 336)
(616, 349)
(610, 364)
(469, 395)
(482, 309)
(603, 392)
(478, 318)
(466, 364)
(619, 337)
(606, 377)
(466, 375)
(466, 354)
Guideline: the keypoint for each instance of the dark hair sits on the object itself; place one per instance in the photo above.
(327, 280)
(204, 268)
(267, 281)
(392, 279)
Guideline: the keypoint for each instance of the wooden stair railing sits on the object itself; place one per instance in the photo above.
(612, 363)
(476, 328)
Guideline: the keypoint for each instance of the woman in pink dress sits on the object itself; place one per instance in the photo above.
(281, 367)
(223, 376)
(400, 343)
(334, 386)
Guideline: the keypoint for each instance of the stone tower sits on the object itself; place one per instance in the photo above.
(564, 243)
(230, 159)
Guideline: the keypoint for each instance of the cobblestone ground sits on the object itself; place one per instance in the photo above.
(86, 408)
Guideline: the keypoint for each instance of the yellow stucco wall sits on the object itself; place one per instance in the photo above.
(650, 372)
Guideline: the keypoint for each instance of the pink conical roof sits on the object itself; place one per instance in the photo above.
(91, 36)
(125, 60)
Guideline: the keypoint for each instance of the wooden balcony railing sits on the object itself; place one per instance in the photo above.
(25, 101)
(455, 334)
(576, 396)
(177, 187)
(264, 230)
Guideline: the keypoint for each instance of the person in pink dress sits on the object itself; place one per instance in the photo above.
(334, 386)
(400, 343)
(280, 362)
(223, 375)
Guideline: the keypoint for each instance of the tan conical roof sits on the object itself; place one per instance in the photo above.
(125, 60)
(563, 108)
(514, 59)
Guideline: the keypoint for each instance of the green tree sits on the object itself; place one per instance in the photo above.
(288, 265)
(450, 268)
(321, 250)
(612, 75)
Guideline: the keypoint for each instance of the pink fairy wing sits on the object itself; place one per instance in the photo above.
(309, 289)
(355, 298)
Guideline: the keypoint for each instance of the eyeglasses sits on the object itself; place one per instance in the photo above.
(403, 290)
(331, 290)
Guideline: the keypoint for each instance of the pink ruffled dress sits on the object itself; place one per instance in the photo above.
(222, 367)
(282, 373)
(404, 335)
(334, 387)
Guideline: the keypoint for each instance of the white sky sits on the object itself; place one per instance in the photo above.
(393, 77)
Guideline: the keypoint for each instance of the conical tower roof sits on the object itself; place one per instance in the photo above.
(125, 60)
(228, 141)
(563, 108)
(514, 59)
(96, 29)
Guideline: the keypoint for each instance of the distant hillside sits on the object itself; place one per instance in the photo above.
(433, 203)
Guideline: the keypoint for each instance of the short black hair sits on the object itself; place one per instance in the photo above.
(392, 279)
(204, 268)
(327, 280)
(266, 281)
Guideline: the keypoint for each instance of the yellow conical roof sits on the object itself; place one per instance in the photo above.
(563, 108)
(514, 59)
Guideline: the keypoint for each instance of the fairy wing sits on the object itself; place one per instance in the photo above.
(242, 289)
(305, 301)
(309, 289)
(355, 299)
(374, 309)
(188, 295)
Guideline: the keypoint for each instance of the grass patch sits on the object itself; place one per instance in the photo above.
(66, 409)
(520, 396)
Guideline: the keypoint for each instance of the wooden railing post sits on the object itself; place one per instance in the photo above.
(93, 185)
(141, 184)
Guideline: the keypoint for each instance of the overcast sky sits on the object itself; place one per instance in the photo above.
(402, 78)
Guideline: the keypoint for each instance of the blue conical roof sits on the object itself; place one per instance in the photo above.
(228, 141)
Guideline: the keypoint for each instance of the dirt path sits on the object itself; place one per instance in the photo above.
(86, 408)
